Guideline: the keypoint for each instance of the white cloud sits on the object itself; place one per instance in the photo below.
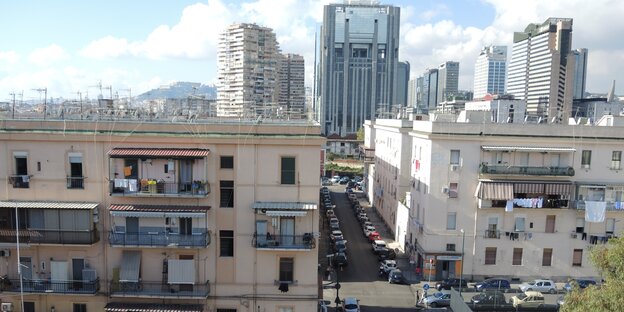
(8, 59)
(46, 56)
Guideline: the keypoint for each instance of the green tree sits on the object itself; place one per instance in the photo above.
(609, 260)
(360, 134)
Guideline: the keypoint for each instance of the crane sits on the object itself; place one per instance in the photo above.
(45, 99)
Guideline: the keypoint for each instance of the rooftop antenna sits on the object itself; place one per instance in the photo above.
(45, 99)
(80, 97)
(13, 115)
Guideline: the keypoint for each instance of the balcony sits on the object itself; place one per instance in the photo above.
(62, 237)
(19, 181)
(611, 206)
(526, 170)
(52, 287)
(159, 239)
(153, 188)
(75, 182)
(290, 242)
(492, 234)
(159, 290)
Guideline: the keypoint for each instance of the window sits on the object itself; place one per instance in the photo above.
(547, 257)
(519, 224)
(577, 257)
(226, 242)
(451, 220)
(586, 159)
(21, 178)
(453, 190)
(450, 247)
(76, 178)
(550, 224)
(616, 159)
(580, 225)
(490, 255)
(288, 170)
(454, 157)
(610, 226)
(227, 194)
(227, 162)
(517, 256)
(286, 269)
(80, 307)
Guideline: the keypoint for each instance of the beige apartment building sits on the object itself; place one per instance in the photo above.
(130, 216)
(519, 201)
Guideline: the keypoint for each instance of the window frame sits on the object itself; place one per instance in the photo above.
(577, 254)
(226, 162)
(586, 158)
(453, 191)
(79, 307)
(616, 160)
(547, 261)
(285, 275)
(448, 221)
(489, 258)
(455, 157)
(288, 176)
(226, 189)
(226, 243)
(517, 256)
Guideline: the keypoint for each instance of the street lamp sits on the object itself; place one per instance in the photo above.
(461, 266)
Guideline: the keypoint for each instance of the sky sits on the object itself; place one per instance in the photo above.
(71, 46)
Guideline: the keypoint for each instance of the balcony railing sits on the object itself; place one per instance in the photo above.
(526, 170)
(52, 286)
(546, 203)
(65, 237)
(492, 234)
(306, 241)
(19, 181)
(159, 289)
(134, 187)
(159, 239)
(75, 182)
(611, 206)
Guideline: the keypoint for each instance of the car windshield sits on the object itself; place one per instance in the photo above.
(350, 306)
(531, 283)
(522, 296)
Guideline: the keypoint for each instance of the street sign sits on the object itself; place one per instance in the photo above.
(426, 287)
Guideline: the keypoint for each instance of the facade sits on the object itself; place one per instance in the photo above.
(130, 216)
(448, 81)
(541, 70)
(496, 110)
(248, 57)
(490, 70)
(402, 84)
(292, 93)
(430, 90)
(358, 64)
(580, 73)
(514, 209)
(413, 92)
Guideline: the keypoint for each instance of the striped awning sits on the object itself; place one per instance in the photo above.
(47, 205)
(153, 214)
(286, 213)
(284, 206)
(495, 190)
(563, 189)
(130, 266)
(529, 188)
(528, 148)
(158, 152)
(11, 233)
(158, 208)
(152, 307)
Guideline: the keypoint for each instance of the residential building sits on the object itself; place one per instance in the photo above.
(580, 73)
(490, 70)
(448, 81)
(526, 209)
(541, 70)
(247, 57)
(358, 68)
(496, 110)
(159, 216)
(292, 93)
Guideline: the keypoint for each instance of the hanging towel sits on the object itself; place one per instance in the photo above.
(595, 211)
(118, 182)
(509, 206)
(618, 205)
(132, 185)
(128, 171)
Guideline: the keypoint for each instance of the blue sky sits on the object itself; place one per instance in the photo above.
(68, 46)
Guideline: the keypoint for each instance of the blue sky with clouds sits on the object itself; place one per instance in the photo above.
(68, 46)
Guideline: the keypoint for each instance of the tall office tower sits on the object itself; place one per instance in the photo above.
(412, 92)
(541, 70)
(430, 90)
(403, 73)
(358, 66)
(489, 75)
(247, 71)
(580, 73)
(448, 81)
(292, 86)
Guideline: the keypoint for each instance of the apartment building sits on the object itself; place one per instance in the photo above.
(291, 100)
(131, 216)
(508, 206)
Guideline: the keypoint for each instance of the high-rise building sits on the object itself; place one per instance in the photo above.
(430, 90)
(413, 92)
(448, 81)
(358, 65)
(247, 71)
(580, 73)
(541, 70)
(489, 76)
(292, 86)
(402, 87)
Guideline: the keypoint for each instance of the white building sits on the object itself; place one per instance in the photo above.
(490, 70)
(496, 110)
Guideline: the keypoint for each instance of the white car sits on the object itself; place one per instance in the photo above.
(334, 220)
(387, 265)
(541, 285)
(367, 223)
(335, 179)
(378, 245)
(350, 304)
(368, 229)
(336, 235)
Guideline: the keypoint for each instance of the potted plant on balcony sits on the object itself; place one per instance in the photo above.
(199, 187)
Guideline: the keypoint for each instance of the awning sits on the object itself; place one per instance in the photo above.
(562, 189)
(154, 214)
(47, 205)
(158, 152)
(529, 188)
(11, 233)
(284, 206)
(152, 307)
(495, 190)
(285, 213)
(130, 266)
(158, 208)
(528, 148)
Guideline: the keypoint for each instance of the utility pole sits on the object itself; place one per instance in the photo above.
(13, 94)
(80, 97)
(45, 99)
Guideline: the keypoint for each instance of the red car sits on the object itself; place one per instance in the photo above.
(373, 236)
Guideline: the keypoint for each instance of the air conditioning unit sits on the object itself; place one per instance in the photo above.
(6, 307)
(454, 167)
(5, 253)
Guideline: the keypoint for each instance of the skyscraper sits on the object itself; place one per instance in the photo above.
(292, 85)
(580, 73)
(448, 81)
(430, 90)
(541, 70)
(358, 65)
(247, 71)
(403, 73)
(489, 76)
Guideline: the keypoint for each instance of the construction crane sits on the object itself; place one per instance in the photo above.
(45, 99)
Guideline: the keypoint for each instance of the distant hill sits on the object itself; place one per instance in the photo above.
(179, 90)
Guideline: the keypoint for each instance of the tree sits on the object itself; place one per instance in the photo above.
(609, 261)
(360, 134)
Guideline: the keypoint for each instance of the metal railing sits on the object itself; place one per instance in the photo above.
(526, 170)
(491, 234)
(31, 236)
(19, 181)
(611, 206)
(136, 187)
(75, 182)
(159, 239)
(269, 241)
(53, 286)
(159, 289)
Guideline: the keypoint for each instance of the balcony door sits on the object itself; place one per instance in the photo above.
(77, 266)
(132, 229)
(186, 175)
(261, 233)
(186, 226)
(26, 264)
(131, 168)
(287, 231)
(59, 274)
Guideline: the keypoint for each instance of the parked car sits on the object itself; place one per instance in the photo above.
(438, 301)
(330, 213)
(529, 299)
(335, 179)
(340, 245)
(368, 229)
(386, 253)
(363, 219)
(396, 277)
(336, 235)
(449, 283)
(361, 216)
(367, 223)
(344, 180)
(350, 304)
(493, 283)
(387, 266)
(374, 236)
(351, 184)
(580, 283)
(378, 245)
(489, 297)
(333, 220)
(541, 285)
(325, 181)
(334, 226)
(340, 259)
